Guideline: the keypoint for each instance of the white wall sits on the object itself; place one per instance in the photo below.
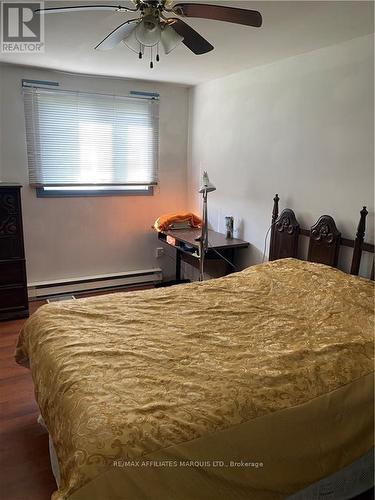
(70, 237)
(301, 127)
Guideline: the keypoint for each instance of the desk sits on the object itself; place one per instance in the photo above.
(187, 248)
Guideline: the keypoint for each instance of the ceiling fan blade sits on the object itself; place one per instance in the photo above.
(117, 35)
(58, 10)
(192, 39)
(219, 13)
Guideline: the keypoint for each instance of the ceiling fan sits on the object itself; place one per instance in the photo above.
(154, 26)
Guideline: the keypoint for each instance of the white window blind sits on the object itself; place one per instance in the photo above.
(82, 139)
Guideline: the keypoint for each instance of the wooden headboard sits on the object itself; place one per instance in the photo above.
(324, 239)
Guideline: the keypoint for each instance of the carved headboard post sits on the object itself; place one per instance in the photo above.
(275, 214)
(275, 211)
(358, 243)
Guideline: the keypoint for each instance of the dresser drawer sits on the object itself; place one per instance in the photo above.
(12, 272)
(11, 248)
(13, 298)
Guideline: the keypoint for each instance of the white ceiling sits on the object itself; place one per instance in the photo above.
(289, 28)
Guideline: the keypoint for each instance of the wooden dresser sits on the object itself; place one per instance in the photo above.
(13, 285)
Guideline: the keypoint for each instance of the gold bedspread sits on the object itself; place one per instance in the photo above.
(130, 374)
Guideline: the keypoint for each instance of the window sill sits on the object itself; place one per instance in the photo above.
(93, 192)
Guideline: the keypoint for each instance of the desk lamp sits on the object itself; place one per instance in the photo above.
(206, 187)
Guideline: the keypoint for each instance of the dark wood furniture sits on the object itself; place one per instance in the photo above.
(187, 248)
(324, 239)
(13, 285)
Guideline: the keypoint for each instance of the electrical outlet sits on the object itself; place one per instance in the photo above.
(159, 252)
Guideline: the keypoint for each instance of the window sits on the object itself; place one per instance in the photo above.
(90, 144)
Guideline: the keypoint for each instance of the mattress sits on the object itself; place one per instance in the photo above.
(255, 385)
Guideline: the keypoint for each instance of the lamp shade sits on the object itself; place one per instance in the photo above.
(170, 39)
(148, 31)
(206, 186)
(132, 43)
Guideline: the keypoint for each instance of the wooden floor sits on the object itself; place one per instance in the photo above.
(24, 458)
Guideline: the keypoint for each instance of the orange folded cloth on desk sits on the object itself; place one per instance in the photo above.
(165, 222)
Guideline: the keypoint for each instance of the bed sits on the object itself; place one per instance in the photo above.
(252, 386)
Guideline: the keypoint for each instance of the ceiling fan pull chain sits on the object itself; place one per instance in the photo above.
(157, 53)
(141, 51)
(151, 62)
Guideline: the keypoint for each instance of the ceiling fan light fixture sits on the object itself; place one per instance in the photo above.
(148, 31)
(170, 39)
(146, 35)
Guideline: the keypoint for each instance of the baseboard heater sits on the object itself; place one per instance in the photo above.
(94, 283)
